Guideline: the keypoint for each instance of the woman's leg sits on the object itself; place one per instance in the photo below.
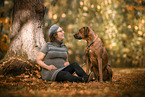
(66, 76)
(74, 67)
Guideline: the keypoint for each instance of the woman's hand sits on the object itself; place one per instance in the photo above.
(66, 64)
(52, 67)
(42, 64)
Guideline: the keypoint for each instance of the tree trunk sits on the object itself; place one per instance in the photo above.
(27, 35)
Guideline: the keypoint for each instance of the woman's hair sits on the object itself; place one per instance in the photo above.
(53, 37)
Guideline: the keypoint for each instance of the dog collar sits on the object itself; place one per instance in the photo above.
(92, 42)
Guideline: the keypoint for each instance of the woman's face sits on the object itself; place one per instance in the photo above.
(60, 34)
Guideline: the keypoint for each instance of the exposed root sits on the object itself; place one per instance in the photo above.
(17, 66)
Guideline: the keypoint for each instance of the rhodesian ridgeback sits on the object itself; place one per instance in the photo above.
(97, 56)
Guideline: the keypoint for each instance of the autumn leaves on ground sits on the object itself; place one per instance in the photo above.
(127, 82)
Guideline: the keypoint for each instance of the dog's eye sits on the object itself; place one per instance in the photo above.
(79, 30)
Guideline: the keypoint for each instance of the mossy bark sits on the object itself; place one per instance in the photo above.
(26, 34)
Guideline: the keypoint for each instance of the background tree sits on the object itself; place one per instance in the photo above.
(5, 24)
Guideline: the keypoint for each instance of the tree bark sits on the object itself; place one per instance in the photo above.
(27, 35)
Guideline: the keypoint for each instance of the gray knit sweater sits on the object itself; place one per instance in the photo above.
(56, 54)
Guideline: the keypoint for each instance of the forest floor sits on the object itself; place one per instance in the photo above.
(127, 82)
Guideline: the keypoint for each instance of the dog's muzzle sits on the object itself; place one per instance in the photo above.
(76, 37)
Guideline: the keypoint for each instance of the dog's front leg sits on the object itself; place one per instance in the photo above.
(88, 65)
(100, 69)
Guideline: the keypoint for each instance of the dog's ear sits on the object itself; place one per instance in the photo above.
(86, 31)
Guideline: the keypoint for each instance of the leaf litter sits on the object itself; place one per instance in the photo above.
(127, 82)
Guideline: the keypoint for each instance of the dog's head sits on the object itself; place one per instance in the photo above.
(83, 33)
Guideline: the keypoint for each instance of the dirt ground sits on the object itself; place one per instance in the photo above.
(127, 82)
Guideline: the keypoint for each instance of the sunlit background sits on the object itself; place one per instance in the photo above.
(119, 23)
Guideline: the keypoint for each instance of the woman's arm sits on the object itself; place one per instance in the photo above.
(42, 64)
(67, 62)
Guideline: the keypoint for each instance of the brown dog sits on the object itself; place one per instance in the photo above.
(97, 56)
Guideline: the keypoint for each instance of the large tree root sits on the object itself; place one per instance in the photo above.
(17, 66)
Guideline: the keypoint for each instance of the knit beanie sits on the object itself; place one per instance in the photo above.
(53, 30)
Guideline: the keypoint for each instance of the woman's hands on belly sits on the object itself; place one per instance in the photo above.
(52, 67)
(66, 64)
